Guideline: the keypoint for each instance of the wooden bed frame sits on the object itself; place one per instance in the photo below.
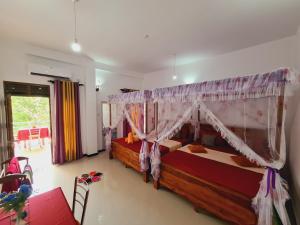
(128, 157)
(213, 199)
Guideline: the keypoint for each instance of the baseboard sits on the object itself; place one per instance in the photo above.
(94, 154)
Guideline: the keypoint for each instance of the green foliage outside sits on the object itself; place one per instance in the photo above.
(28, 112)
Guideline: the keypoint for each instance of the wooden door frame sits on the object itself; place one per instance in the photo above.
(29, 91)
(101, 114)
(8, 113)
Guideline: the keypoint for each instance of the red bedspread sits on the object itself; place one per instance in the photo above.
(242, 181)
(183, 141)
(137, 146)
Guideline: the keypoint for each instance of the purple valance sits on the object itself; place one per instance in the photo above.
(254, 86)
(131, 97)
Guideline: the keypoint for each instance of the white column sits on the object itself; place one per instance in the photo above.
(91, 111)
(100, 140)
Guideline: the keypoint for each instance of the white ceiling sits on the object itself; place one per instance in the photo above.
(112, 31)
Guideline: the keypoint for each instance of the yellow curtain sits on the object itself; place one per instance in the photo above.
(69, 120)
(135, 114)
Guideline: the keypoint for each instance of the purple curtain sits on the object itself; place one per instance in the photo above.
(79, 153)
(59, 149)
(59, 155)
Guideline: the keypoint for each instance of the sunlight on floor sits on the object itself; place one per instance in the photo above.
(40, 161)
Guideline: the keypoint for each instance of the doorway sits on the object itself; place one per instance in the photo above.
(31, 127)
(109, 114)
(29, 122)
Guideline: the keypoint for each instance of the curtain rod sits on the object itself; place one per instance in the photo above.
(49, 75)
(52, 81)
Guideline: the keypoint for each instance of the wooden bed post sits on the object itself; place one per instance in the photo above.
(155, 116)
(110, 123)
(280, 108)
(145, 118)
(111, 156)
(156, 184)
(146, 176)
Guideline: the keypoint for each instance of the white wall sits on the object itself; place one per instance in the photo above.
(111, 83)
(259, 58)
(14, 59)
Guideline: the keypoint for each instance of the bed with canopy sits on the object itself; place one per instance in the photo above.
(248, 113)
(133, 107)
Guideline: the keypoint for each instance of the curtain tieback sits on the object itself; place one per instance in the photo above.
(154, 147)
(271, 179)
(144, 142)
(106, 130)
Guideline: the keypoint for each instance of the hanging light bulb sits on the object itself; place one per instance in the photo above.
(75, 46)
(174, 77)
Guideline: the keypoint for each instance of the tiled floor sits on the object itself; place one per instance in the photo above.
(121, 198)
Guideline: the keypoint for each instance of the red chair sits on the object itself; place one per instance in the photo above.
(44, 133)
(12, 176)
(80, 196)
(12, 182)
(19, 158)
(23, 136)
(35, 134)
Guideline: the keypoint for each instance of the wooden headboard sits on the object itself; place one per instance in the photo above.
(257, 139)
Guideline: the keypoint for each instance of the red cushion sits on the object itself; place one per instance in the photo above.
(12, 168)
(243, 161)
(136, 146)
(229, 149)
(183, 141)
(197, 149)
(242, 181)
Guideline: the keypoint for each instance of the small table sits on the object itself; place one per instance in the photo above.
(48, 208)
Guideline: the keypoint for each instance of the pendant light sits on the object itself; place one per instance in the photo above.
(174, 77)
(75, 46)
